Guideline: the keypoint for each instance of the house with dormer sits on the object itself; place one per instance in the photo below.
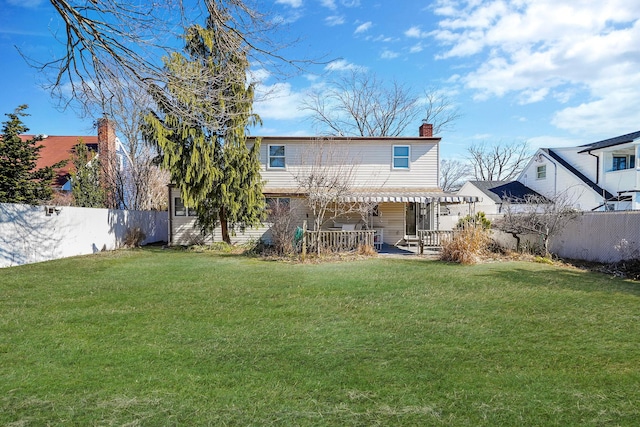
(600, 176)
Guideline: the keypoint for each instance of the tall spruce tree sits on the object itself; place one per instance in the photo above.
(208, 158)
(85, 180)
(20, 180)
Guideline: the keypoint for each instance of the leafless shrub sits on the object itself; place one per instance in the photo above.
(366, 250)
(134, 237)
(283, 227)
(467, 246)
(539, 216)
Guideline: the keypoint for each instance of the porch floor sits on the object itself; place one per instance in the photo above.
(404, 250)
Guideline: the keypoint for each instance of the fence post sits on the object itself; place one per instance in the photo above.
(304, 239)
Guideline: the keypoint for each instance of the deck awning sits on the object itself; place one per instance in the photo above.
(409, 198)
(388, 195)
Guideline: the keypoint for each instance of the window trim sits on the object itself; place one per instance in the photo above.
(177, 201)
(395, 157)
(283, 157)
(541, 172)
(629, 162)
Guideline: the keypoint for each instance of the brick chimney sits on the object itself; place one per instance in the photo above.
(426, 130)
(107, 156)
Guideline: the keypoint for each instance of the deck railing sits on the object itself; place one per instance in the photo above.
(337, 241)
(434, 239)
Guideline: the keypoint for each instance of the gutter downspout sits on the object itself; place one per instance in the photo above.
(604, 198)
(597, 166)
(169, 205)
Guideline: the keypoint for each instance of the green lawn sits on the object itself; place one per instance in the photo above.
(154, 337)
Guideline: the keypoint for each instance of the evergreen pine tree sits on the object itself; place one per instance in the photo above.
(209, 160)
(85, 180)
(20, 180)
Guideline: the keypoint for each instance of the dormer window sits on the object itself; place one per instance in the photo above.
(623, 161)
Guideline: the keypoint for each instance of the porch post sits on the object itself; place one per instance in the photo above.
(304, 239)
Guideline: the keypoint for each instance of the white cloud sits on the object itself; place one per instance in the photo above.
(416, 33)
(331, 4)
(363, 27)
(389, 54)
(417, 48)
(530, 96)
(334, 20)
(585, 53)
(292, 3)
(343, 65)
(278, 102)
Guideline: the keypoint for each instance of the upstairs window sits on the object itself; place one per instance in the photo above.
(401, 156)
(276, 157)
(622, 162)
(541, 172)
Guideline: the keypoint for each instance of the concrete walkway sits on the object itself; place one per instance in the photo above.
(390, 250)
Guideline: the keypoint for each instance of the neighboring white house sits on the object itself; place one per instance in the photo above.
(599, 176)
(396, 176)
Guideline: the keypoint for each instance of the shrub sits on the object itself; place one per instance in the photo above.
(467, 245)
(366, 250)
(134, 237)
(478, 220)
(283, 228)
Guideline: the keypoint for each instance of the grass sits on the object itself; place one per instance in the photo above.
(152, 337)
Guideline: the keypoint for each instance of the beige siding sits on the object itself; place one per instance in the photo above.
(371, 161)
(391, 218)
(185, 232)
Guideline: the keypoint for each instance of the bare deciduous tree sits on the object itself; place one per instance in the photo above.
(453, 173)
(498, 162)
(327, 177)
(112, 40)
(139, 183)
(360, 104)
(439, 111)
(537, 215)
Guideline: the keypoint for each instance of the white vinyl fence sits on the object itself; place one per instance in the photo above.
(592, 236)
(31, 234)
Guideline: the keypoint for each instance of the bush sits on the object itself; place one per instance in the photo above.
(467, 245)
(283, 228)
(366, 250)
(134, 237)
(478, 220)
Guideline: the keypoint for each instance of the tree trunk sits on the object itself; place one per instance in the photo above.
(515, 236)
(224, 226)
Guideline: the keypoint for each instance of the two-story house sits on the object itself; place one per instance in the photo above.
(396, 176)
(599, 176)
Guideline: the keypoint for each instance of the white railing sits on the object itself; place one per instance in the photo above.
(433, 239)
(337, 241)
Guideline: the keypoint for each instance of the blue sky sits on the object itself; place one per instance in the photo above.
(551, 72)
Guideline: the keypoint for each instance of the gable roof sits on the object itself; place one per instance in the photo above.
(622, 139)
(501, 191)
(58, 148)
(582, 177)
